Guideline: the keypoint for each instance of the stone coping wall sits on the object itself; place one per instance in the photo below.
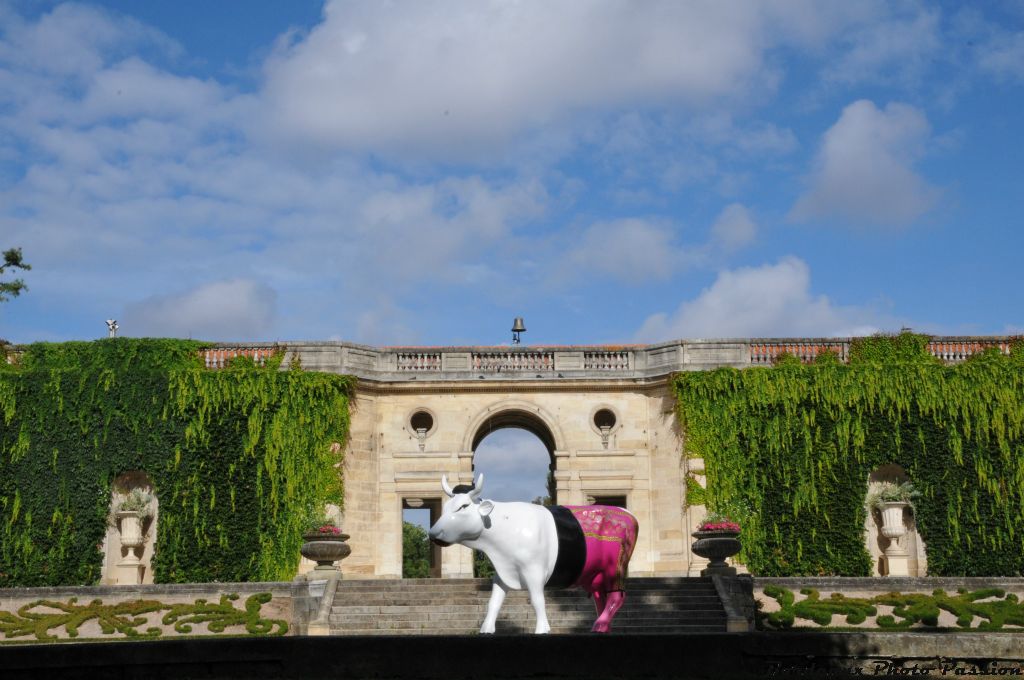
(157, 611)
(981, 604)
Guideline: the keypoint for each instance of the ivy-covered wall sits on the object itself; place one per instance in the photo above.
(239, 458)
(792, 446)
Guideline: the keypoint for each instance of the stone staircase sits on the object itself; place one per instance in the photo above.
(457, 607)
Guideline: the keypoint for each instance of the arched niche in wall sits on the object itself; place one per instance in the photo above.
(908, 552)
(129, 541)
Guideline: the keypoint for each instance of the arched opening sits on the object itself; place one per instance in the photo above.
(514, 450)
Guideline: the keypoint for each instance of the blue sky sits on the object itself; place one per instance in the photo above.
(421, 173)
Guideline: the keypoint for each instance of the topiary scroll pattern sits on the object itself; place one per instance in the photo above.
(983, 609)
(39, 618)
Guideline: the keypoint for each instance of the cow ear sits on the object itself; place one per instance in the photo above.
(486, 507)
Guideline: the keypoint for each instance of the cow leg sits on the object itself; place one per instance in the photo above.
(535, 587)
(498, 592)
(613, 601)
(599, 601)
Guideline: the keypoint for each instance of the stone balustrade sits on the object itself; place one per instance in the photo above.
(388, 364)
(221, 356)
(530, 362)
(418, 361)
(955, 350)
(768, 351)
(608, 360)
(517, 360)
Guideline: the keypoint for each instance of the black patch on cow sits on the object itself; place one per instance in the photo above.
(463, 488)
(572, 548)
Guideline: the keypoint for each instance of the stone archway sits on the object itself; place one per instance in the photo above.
(611, 440)
(519, 416)
(515, 413)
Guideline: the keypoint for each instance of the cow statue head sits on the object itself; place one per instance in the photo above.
(464, 516)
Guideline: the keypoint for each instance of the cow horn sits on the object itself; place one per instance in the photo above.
(446, 486)
(478, 486)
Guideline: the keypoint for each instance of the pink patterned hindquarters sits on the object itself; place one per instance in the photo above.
(610, 534)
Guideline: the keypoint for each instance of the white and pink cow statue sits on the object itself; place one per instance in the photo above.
(537, 547)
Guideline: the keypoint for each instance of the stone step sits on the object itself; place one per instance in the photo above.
(555, 630)
(436, 587)
(632, 585)
(399, 605)
(553, 596)
(527, 625)
(458, 606)
(474, 624)
(462, 614)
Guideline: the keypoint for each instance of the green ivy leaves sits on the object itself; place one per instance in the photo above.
(237, 458)
(796, 444)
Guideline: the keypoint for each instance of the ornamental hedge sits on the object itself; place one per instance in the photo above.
(791, 447)
(238, 459)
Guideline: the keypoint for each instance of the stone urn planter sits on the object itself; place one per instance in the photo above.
(325, 549)
(716, 545)
(129, 570)
(896, 554)
(130, 524)
(892, 519)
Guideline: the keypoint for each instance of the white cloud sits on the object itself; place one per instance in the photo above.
(864, 170)
(774, 300)
(733, 229)
(384, 323)
(378, 75)
(637, 250)
(757, 137)
(133, 88)
(632, 250)
(898, 49)
(1003, 55)
(237, 309)
(74, 40)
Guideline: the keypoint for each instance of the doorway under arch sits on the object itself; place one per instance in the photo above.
(515, 450)
(516, 466)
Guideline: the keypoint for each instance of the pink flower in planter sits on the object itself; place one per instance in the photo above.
(719, 526)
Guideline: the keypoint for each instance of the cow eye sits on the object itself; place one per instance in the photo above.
(463, 507)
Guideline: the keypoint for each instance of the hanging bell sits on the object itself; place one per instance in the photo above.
(517, 327)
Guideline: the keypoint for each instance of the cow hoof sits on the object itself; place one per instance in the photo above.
(487, 630)
(600, 628)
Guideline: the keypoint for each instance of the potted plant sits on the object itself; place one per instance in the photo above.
(717, 538)
(890, 500)
(324, 543)
(131, 513)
